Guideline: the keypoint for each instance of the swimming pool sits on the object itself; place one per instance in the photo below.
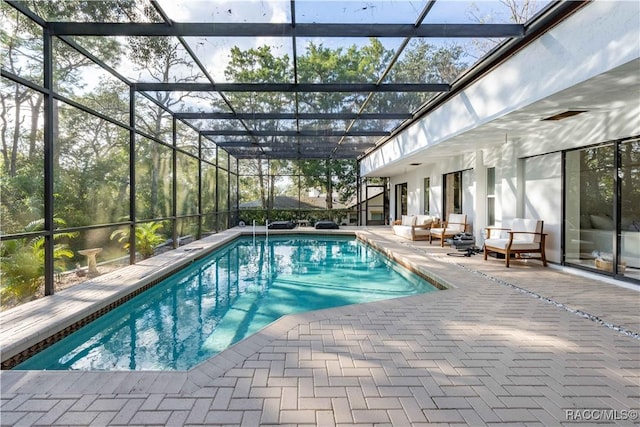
(226, 296)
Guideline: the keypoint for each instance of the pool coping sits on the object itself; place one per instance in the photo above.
(35, 325)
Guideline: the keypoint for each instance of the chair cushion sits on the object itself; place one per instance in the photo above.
(457, 218)
(421, 232)
(326, 225)
(282, 225)
(502, 244)
(408, 220)
(423, 221)
(455, 228)
(402, 231)
(495, 233)
(529, 225)
(441, 232)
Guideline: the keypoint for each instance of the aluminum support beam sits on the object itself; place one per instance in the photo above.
(292, 87)
(293, 116)
(311, 133)
(244, 29)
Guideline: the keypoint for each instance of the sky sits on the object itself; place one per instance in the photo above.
(214, 52)
(350, 11)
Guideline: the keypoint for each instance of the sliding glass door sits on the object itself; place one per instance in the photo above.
(452, 193)
(629, 231)
(602, 208)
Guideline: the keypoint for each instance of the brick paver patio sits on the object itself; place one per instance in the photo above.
(525, 346)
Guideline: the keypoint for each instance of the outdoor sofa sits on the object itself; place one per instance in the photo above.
(414, 227)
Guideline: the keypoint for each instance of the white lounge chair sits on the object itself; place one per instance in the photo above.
(525, 236)
(456, 223)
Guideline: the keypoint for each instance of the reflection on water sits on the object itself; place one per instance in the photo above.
(226, 297)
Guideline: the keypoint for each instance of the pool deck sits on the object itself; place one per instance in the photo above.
(526, 346)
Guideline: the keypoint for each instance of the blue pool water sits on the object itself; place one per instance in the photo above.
(227, 296)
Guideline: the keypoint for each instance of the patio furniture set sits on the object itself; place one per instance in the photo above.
(523, 237)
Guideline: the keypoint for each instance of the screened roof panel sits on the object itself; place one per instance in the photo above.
(363, 12)
(144, 59)
(179, 102)
(227, 10)
(486, 11)
(163, 60)
(215, 125)
(387, 125)
(94, 11)
(359, 140)
(271, 125)
(243, 59)
(432, 60)
(250, 103)
(316, 125)
(405, 102)
(97, 47)
(320, 141)
(312, 78)
(332, 102)
(345, 60)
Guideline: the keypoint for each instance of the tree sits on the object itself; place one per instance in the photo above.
(23, 55)
(22, 262)
(320, 64)
(513, 11)
(22, 108)
(421, 62)
(331, 176)
(260, 65)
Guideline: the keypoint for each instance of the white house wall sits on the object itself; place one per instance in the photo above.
(543, 198)
(414, 192)
(414, 177)
(599, 37)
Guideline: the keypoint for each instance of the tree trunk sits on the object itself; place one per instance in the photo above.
(154, 178)
(261, 179)
(35, 119)
(5, 126)
(272, 195)
(16, 133)
(155, 161)
(329, 185)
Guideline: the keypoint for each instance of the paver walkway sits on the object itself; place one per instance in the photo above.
(526, 346)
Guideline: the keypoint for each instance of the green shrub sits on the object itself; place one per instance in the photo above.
(22, 262)
(147, 237)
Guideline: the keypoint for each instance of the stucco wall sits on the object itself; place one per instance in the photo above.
(603, 36)
(543, 198)
(600, 37)
(414, 177)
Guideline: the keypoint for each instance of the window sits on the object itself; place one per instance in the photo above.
(426, 196)
(491, 196)
(401, 200)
